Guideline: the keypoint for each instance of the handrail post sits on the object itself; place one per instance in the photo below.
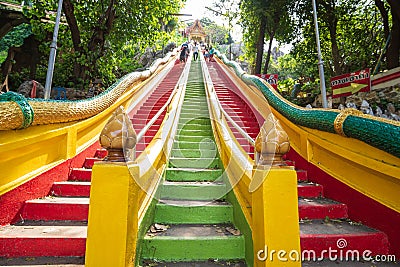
(275, 226)
(113, 210)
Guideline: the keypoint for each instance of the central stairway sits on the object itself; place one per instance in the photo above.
(193, 222)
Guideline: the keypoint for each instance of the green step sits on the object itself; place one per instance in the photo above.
(193, 126)
(193, 212)
(193, 244)
(199, 105)
(193, 116)
(194, 153)
(195, 106)
(194, 138)
(200, 163)
(195, 132)
(207, 144)
(198, 120)
(192, 175)
(193, 190)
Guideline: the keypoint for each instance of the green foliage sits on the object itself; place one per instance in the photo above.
(351, 36)
(15, 37)
(107, 43)
(217, 34)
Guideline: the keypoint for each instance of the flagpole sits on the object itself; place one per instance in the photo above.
(53, 50)
(320, 61)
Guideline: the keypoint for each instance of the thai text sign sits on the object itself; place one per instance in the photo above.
(351, 83)
(272, 79)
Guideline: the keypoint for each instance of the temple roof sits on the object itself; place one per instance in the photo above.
(196, 28)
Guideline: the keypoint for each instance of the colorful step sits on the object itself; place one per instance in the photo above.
(192, 202)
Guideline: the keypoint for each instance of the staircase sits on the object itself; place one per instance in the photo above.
(235, 106)
(55, 226)
(153, 104)
(324, 223)
(193, 222)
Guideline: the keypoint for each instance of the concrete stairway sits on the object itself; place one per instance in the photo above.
(324, 223)
(229, 96)
(195, 220)
(55, 225)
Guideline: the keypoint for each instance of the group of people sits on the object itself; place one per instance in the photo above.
(196, 48)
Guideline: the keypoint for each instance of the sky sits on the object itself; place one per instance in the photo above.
(197, 8)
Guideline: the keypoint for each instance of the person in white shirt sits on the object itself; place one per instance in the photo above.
(195, 51)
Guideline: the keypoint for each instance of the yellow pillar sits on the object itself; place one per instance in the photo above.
(113, 220)
(276, 234)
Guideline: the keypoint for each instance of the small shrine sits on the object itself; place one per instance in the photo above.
(196, 32)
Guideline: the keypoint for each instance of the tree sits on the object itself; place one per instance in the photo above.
(263, 20)
(253, 22)
(393, 52)
(96, 29)
(350, 32)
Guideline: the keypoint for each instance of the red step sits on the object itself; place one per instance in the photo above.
(71, 189)
(341, 236)
(56, 208)
(321, 209)
(89, 162)
(301, 174)
(309, 190)
(100, 153)
(42, 241)
(80, 174)
(37, 234)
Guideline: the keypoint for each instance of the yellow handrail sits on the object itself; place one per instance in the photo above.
(121, 193)
(271, 209)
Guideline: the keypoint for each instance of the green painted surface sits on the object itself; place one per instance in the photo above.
(195, 132)
(194, 138)
(194, 153)
(244, 227)
(199, 163)
(199, 248)
(193, 191)
(207, 214)
(206, 144)
(194, 126)
(194, 120)
(192, 175)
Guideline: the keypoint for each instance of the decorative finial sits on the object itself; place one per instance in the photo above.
(118, 136)
(272, 142)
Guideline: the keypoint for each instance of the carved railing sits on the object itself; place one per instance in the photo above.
(18, 112)
(381, 133)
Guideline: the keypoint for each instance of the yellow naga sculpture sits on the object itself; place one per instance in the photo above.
(271, 144)
(18, 112)
(118, 136)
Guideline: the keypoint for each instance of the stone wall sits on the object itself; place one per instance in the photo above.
(384, 102)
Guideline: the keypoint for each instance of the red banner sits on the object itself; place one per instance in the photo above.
(351, 83)
(272, 79)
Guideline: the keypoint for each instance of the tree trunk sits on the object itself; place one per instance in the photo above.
(72, 24)
(332, 27)
(96, 42)
(260, 45)
(68, 7)
(271, 38)
(393, 52)
(275, 26)
(385, 16)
